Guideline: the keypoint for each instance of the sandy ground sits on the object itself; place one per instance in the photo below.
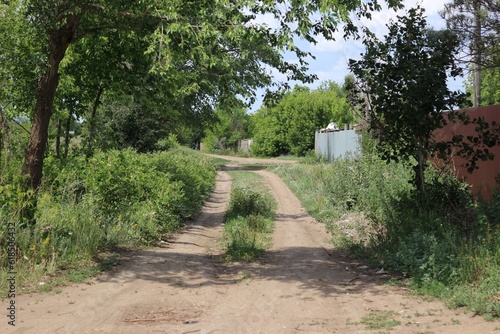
(301, 285)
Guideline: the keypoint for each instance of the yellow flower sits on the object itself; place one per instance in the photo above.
(46, 241)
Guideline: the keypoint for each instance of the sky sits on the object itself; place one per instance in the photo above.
(332, 57)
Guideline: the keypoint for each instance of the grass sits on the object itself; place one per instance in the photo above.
(88, 210)
(249, 219)
(247, 179)
(444, 242)
(218, 162)
(378, 319)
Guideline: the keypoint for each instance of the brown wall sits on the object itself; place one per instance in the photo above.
(482, 179)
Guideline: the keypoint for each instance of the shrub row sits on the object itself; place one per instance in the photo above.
(447, 243)
(114, 198)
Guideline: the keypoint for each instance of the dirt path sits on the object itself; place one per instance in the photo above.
(301, 285)
(250, 161)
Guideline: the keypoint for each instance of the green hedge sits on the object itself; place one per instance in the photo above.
(115, 198)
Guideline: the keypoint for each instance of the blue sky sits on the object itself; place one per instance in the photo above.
(332, 57)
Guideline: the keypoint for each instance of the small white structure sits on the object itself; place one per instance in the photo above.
(332, 127)
(244, 145)
(333, 143)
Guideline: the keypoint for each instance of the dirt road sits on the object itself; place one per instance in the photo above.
(301, 285)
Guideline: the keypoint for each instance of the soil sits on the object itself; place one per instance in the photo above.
(301, 285)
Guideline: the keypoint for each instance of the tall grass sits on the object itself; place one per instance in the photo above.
(447, 243)
(249, 219)
(116, 199)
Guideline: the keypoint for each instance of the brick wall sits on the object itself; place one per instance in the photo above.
(483, 179)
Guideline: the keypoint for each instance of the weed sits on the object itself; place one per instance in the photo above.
(84, 208)
(249, 218)
(244, 276)
(378, 319)
(444, 241)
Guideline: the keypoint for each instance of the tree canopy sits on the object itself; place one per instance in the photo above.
(404, 84)
(206, 53)
(477, 24)
(289, 125)
(405, 79)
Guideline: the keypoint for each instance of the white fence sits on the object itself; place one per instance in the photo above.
(335, 144)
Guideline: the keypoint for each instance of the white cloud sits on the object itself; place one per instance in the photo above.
(265, 19)
(332, 57)
(380, 19)
(335, 72)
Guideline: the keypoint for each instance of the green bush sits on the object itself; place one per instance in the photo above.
(246, 202)
(249, 218)
(116, 198)
(447, 243)
(168, 143)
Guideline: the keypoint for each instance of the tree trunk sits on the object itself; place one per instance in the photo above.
(58, 138)
(92, 122)
(477, 54)
(59, 41)
(420, 172)
(66, 135)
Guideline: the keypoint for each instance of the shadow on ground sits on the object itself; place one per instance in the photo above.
(326, 271)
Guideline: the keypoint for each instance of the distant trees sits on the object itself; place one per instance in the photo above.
(288, 127)
(230, 126)
(477, 23)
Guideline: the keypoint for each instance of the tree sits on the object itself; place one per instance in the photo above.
(405, 79)
(490, 84)
(289, 126)
(477, 24)
(490, 87)
(220, 52)
(110, 62)
(230, 127)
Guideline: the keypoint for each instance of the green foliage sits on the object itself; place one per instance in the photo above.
(229, 127)
(445, 242)
(406, 105)
(490, 86)
(249, 218)
(490, 90)
(243, 241)
(167, 144)
(245, 202)
(118, 198)
(269, 135)
(289, 126)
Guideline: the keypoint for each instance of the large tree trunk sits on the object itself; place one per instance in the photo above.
(419, 171)
(59, 41)
(477, 54)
